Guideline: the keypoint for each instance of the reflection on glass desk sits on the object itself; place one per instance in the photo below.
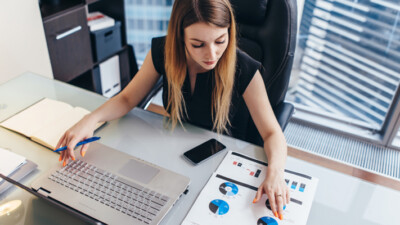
(340, 198)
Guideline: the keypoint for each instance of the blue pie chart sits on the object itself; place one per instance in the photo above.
(267, 221)
(219, 207)
(228, 188)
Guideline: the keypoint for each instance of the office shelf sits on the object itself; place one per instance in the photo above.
(70, 46)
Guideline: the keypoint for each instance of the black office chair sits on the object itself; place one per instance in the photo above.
(267, 32)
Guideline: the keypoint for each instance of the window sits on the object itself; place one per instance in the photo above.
(146, 19)
(347, 63)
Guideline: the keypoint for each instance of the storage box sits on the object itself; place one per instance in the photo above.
(106, 42)
(106, 77)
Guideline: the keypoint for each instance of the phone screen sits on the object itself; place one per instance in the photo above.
(203, 151)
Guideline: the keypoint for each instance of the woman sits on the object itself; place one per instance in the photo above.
(207, 82)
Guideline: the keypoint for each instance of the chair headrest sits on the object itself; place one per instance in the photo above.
(249, 12)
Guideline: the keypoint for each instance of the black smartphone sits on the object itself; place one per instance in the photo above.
(204, 150)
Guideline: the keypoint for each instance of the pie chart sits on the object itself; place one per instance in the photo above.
(219, 207)
(228, 188)
(266, 221)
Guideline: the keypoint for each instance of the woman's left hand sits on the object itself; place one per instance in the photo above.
(274, 186)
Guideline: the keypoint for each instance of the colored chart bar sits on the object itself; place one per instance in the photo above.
(294, 185)
(302, 187)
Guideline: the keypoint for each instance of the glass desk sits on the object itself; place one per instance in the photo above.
(340, 198)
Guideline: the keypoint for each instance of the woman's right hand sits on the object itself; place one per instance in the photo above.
(80, 131)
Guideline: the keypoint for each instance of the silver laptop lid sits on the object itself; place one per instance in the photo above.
(86, 218)
(119, 175)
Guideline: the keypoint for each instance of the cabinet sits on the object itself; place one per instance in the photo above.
(70, 46)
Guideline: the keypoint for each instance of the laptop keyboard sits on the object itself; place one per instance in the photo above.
(129, 198)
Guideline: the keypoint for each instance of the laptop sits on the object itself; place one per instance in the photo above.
(110, 187)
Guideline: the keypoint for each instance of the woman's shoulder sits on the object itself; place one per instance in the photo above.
(244, 60)
(157, 53)
(157, 45)
(158, 41)
(246, 67)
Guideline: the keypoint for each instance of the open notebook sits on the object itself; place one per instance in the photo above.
(46, 121)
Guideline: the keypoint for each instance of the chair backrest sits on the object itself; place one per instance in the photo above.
(267, 32)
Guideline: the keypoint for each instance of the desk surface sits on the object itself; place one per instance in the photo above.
(340, 198)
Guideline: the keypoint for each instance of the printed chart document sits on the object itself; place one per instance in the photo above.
(9, 162)
(46, 121)
(227, 198)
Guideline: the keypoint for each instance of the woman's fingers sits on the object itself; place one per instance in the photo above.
(70, 142)
(272, 202)
(69, 152)
(258, 194)
(60, 142)
(287, 195)
(84, 149)
(70, 148)
(278, 195)
(279, 202)
(278, 198)
(283, 197)
(62, 153)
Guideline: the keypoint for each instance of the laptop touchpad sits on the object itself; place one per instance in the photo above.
(139, 171)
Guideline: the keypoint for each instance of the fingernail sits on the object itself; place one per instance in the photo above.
(64, 163)
(83, 154)
(73, 158)
(255, 200)
(60, 159)
(280, 216)
(275, 214)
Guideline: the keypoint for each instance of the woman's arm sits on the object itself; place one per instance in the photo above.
(275, 148)
(114, 108)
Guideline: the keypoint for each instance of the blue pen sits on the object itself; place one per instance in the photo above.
(79, 143)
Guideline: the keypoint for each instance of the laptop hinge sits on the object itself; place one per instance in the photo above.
(44, 192)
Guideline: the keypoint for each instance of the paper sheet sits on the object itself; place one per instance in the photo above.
(9, 162)
(228, 196)
(44, 113)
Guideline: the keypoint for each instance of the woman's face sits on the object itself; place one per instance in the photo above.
(205, 43)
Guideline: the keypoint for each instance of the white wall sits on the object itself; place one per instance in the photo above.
(22, 41)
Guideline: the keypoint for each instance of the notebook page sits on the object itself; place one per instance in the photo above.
(49, 135)
(32, 119)
(9, 162)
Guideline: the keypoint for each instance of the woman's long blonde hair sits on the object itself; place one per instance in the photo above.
(185, 13)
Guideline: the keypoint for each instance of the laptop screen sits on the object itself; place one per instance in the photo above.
(51, 201)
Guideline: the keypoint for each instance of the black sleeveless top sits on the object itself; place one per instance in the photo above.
(198, 104)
